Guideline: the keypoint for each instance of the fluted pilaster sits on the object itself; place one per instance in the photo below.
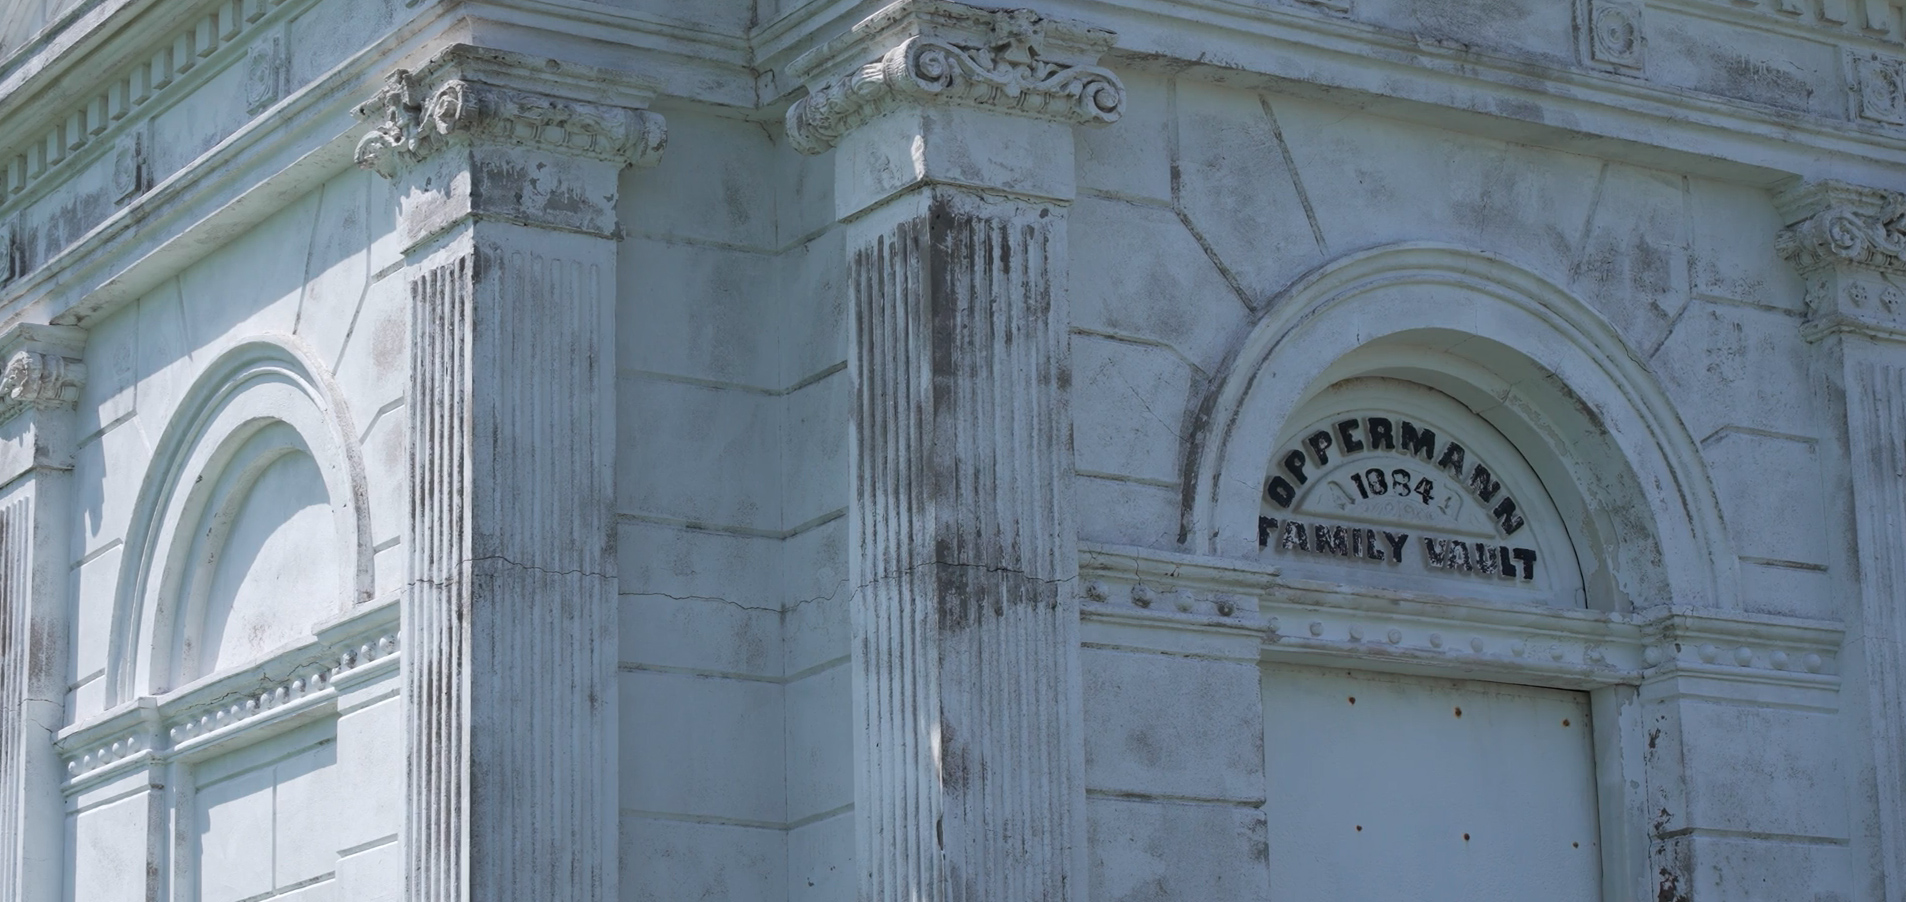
(965, 623)
(510, 622)
(38, 386)
(1849, 245)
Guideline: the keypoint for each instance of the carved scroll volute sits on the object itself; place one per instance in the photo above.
(1013, 61)
(417, 113)
(42, 370)
(1849, 244)
(1867, 229)
(41, 379)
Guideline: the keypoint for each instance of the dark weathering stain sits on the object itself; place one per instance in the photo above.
(1730, 74)
(1496, 24)
(1668, 889)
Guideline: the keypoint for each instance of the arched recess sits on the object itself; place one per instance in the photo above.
(1543, 369)
(251, 524)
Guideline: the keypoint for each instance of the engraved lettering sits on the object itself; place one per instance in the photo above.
(1452, 459)
(1294, 465)
(1319, 443)
(1506, 517)
(1295, 536)
(1396, 540)
(1346, 439)
(1419, 443)
(1487, 561)
(1382, 436)
(1482, 485)
(1280, 491)
(1527, 558)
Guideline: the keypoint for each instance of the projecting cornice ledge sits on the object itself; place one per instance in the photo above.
(468, 93)
(1849, 243)
(931, 51)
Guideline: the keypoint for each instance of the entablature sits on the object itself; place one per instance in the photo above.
(291, 687)
(1172, 603)
(86, 172)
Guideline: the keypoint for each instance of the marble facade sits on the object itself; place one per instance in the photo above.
(779, 450)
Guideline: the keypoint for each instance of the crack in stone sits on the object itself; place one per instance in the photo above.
(1140, 398)
(520, 566)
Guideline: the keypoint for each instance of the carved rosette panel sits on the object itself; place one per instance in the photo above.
(1006, 68)
(1612, 34)
(1876, 86)
(414, 120)
(964, 544)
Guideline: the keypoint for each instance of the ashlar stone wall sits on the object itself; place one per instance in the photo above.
(238, 491)
(658, 450)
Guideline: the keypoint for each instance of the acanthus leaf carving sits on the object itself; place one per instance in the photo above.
(1004, 66)
(415, 119)
(39, 379)
(1869, 233)
(400, 136)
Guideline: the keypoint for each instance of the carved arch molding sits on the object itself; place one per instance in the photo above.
(1498, 426)
(251, 525)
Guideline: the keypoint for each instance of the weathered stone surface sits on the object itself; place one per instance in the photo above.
(876, 493)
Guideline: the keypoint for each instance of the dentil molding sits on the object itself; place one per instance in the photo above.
(931, 51)
(466, 92)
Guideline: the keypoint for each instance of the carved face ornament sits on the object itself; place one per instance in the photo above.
(16, 381)
(1017, 36)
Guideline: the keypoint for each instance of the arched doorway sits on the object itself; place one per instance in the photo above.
(1460, 486)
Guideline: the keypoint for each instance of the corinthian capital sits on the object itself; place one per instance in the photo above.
(1849, 245)
(467, 93)
(1837, 224)
(932, 51)
(42, 368)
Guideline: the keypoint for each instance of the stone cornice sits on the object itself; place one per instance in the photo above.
(291, 687)
(1834, 224)
(466, 93)
(1168, 602)
(926, 51)
(42, 368)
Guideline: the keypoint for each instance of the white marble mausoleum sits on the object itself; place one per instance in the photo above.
(870, 451)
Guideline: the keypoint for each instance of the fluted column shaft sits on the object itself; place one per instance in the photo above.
(965, 623)
(951, 129)
(510, 169)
